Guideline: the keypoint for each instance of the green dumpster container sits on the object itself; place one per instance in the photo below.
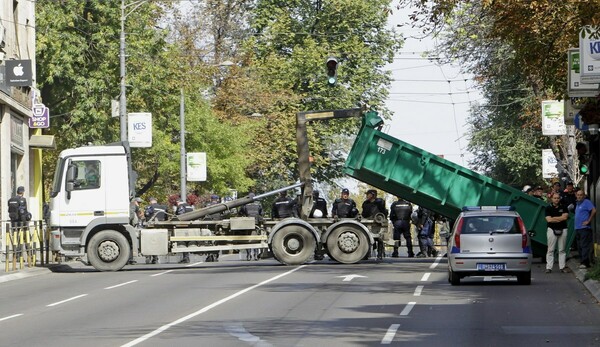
(437, 184)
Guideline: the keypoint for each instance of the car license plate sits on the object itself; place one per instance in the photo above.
(491, 267)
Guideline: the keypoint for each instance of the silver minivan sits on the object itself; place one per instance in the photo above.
(489, 240)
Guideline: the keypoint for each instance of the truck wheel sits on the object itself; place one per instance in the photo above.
(108, 250)
(293, 245)
(347, 244)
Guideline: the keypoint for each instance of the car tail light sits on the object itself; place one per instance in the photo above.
(457, 232)
(523, 232)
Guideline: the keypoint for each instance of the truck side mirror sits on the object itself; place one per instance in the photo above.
(71, 175)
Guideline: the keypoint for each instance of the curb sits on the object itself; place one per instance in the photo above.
(592, 286)
(28, 272)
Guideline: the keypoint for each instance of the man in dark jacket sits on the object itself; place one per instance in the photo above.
(400, 212)
(17, 209)
(284, 207)
(344, 207)
(318, 204)
(373, 205)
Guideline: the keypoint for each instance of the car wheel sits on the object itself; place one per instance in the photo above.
(524, 278)
(453, 278)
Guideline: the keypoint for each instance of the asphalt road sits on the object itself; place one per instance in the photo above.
(238, 303)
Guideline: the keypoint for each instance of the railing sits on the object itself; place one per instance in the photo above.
(26, 244)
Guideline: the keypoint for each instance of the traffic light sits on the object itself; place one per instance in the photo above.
(332, 64)
(583, 157)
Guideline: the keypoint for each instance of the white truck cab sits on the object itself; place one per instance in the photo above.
(90, 196)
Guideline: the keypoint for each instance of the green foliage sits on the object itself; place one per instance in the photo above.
(78, 74)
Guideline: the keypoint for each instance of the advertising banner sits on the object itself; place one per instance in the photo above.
(589, 47)
(549, 162)
(196, 167)
(553, 118)
(139, 129)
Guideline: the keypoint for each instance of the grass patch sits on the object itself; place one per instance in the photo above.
(593, 272)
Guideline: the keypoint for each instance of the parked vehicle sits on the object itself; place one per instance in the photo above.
(489, 241)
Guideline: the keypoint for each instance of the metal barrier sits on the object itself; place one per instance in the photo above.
(25, 245)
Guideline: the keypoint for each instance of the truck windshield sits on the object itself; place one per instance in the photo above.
(56, 183)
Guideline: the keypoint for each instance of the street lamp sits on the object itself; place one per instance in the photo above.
(123, 96)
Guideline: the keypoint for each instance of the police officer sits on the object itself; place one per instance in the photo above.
(400, 212)
(373, 205)
(344, 207)
(183, 207)
(154, 211)
(426, 229)
(284, 207)
(17, 209)
(253, 209)
(318, 204)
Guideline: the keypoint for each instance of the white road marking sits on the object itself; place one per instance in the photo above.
(389, 335)
(348, 278)
(161, 273)
(207, 308)
(121, 284)
(69, 299)
(425, 276)
(9, 317)
(408, 308)
(436, 262)
(418, 290)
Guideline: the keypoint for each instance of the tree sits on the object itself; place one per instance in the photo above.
(517, 51)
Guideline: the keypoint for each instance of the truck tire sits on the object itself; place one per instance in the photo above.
(108, 250)
(347, 244)
(293, 245)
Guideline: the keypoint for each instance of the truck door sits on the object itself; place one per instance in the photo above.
(86, 201)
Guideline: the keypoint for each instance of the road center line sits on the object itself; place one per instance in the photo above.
(9, 317)
(425, 276)
(418, 290)
(161, 273)
(389, 335)
(69, 299)
(408, 308)
(122, 284)
(207, 308)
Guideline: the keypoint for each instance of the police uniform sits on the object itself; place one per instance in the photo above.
(318, 204)
(17, 209)
(284, 207)
(400, 212)
(253, 209)
(344, 208)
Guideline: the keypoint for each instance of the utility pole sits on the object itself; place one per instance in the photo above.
(123, 97)
(182, 162)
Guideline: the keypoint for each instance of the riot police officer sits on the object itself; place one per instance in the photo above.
(373, 205)
(344, 207)
(318, 204)
(400, 212)
(284, 207)
(183, 207)
(17, 209)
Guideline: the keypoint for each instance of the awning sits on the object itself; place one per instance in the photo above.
(42, 141)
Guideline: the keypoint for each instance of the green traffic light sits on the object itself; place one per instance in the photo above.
(583, 169)
(331, 80)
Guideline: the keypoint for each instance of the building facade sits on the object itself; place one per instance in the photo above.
(20, 147)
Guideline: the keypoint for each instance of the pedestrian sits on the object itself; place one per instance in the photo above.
(371, 208)
(556, 188)
(183, 207)
(318, 204)
(284, 207)
(556, 216)
(400, 212)
(584, 213)
(134, 211)
(344, 207)
(568, 197)
(253, 209)
(17, 209)
(538, 192)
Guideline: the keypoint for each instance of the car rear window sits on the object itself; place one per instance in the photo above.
(490, 224)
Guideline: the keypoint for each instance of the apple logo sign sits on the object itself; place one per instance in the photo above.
(18, 70)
